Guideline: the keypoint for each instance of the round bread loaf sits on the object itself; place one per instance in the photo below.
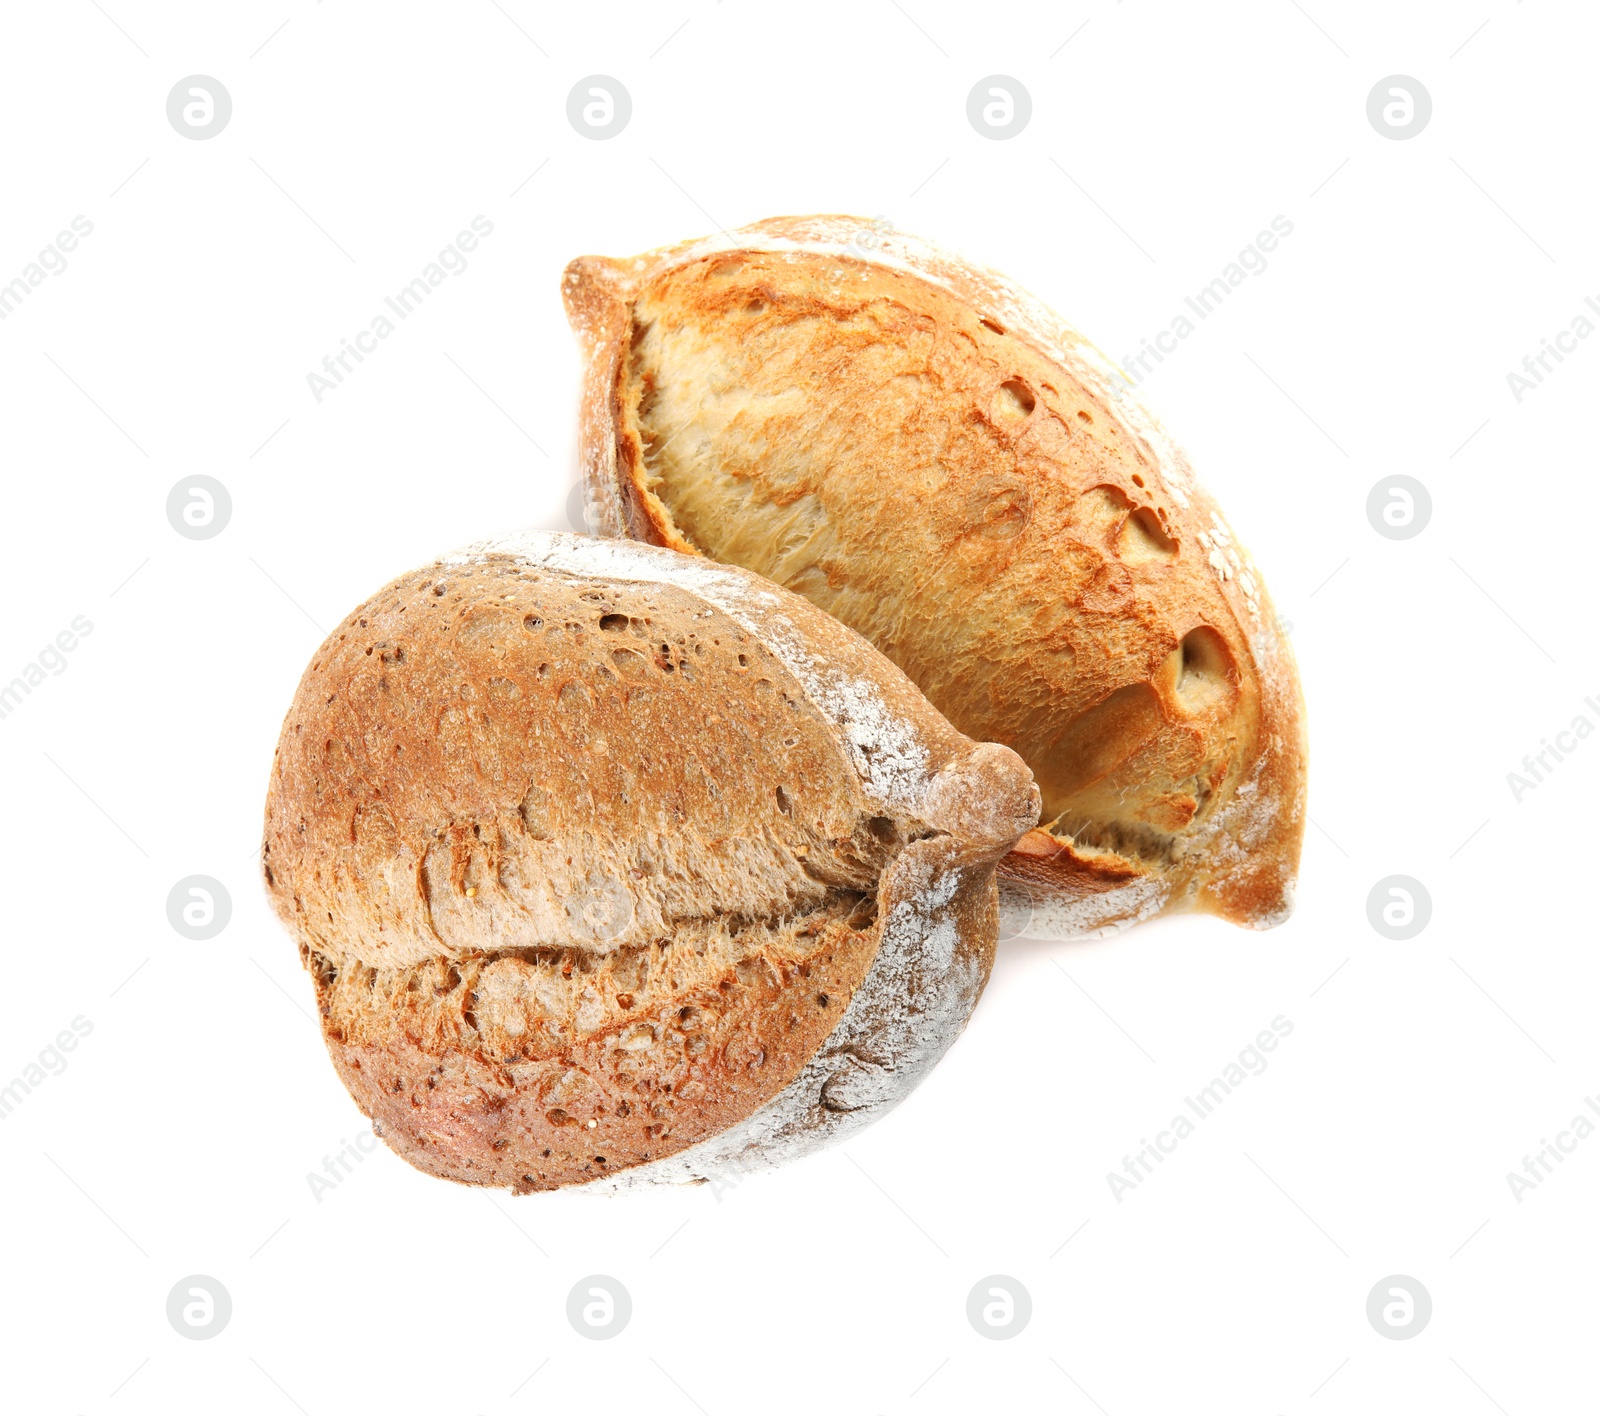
(930, 455)
(609, 864)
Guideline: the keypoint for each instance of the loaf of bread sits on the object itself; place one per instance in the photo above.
(610, 864)
(931, 456)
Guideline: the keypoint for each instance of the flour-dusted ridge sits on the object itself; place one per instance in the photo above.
(1037, 916)
(889, 757)
(913, 1003)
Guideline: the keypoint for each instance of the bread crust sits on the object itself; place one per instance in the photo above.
(932, 456)
(592, 851)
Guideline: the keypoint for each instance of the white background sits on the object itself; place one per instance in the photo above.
(1163, 137)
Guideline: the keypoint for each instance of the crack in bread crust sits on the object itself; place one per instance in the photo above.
(476, 1073)
(933, 959)
(527, 1005)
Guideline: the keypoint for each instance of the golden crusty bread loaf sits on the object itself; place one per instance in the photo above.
(610, 864)
(930, 455)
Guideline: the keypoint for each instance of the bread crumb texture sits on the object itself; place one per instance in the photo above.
(926, 453)
(584, 875)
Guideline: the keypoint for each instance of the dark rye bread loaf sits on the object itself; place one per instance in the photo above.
(610, 864)
(937, 460)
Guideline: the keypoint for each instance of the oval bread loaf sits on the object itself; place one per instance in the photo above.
(930, 455)
(609, 865)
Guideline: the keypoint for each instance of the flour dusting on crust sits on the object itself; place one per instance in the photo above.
(913, 1003)
(1040, 916)
(892, 762)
